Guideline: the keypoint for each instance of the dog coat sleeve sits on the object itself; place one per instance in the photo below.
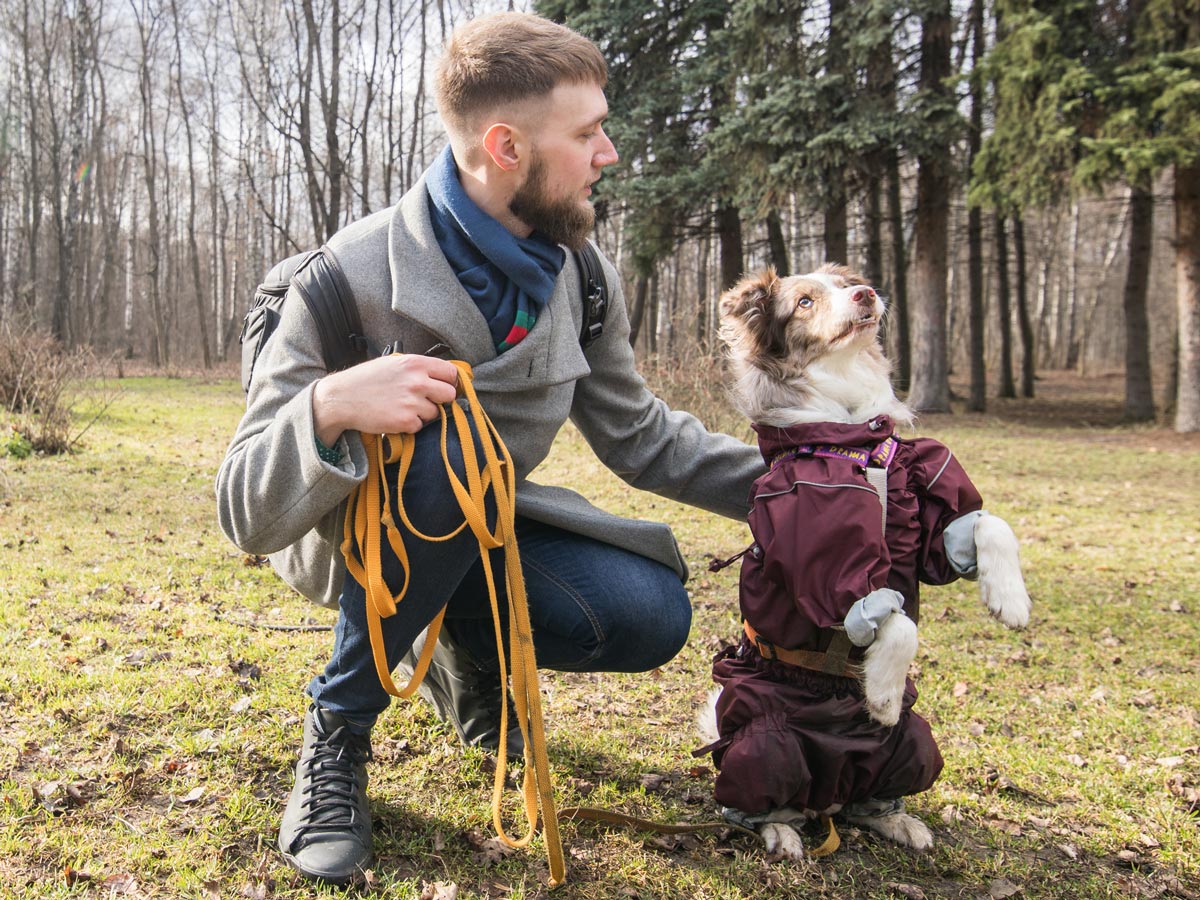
(959, 541)
(945, 495)
(865, 616)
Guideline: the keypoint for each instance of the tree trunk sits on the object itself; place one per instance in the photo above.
(1004, 307)
(1024, 326)
(193, 244)
(638, 310)
(977, 400)
(1187, 281)
(833, 177)
(1139, 389)
(899, 316)
(147, 30)
(652, 300)
(930, 389)
(775, 239)
(729, 237)
(873, 264)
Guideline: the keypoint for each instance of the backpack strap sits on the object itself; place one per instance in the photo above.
(595, 293)
(322, 284)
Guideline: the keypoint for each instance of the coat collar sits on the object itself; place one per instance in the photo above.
(774, 440)
(426, 290)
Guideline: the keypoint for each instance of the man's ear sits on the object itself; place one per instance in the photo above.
(502, 142)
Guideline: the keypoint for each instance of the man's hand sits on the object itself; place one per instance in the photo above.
(391, 395)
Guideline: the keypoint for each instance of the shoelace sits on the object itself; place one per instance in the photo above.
(332, 772)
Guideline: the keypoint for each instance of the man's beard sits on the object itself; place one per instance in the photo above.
(564, 221)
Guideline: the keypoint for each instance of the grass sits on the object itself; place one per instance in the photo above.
(149, 722)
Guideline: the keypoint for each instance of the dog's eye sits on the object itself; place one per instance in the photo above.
(804, 302)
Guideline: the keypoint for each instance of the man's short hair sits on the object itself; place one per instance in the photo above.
(507, 57)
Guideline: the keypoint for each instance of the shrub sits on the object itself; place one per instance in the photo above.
(693, 379)
(41, 387)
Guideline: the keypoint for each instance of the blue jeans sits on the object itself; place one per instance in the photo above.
(593, 607)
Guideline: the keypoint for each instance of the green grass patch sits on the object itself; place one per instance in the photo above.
(149, 722)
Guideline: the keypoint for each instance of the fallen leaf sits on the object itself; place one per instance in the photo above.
(244, 669)
(123, 883)
(193, 795)
(907, 890)
(1006, 825)
(439, 890)
(1069, 851)
(488, 850)
(495, 850)
(653, 781)
(1001, 888)
(960, 689)
(241, 705)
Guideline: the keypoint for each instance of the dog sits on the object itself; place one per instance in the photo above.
(814, 713)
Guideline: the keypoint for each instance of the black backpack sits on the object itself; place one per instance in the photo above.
(323, 286)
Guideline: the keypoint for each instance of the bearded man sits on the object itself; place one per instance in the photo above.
(471, 261)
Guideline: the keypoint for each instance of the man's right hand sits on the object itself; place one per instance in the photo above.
(395, 394)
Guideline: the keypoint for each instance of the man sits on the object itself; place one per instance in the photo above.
(470, 259)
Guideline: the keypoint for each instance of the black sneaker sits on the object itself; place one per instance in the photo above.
(466, 695)
(326, 828)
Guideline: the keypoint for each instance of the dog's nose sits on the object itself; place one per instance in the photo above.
(861, 294)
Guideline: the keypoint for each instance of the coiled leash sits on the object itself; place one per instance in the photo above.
(369, 517)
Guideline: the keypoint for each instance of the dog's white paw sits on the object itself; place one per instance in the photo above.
(783, 840)
(706, 718)
(900, 828)
(1000, 583)
(885, 668)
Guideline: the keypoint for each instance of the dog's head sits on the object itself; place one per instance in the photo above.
(784, 324)
(804, 344)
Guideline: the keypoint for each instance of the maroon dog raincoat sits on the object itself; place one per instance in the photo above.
(799, 738)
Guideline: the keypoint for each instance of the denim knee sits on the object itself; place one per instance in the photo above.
(675, 623)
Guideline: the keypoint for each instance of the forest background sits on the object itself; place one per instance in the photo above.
(1021, 179)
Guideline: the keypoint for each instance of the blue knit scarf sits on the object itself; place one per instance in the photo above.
(509, 278)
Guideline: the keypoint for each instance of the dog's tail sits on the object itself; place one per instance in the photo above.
(706, 718)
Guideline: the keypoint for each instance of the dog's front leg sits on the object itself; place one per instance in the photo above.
(1000, 582)
(982, 546)
(878, 622)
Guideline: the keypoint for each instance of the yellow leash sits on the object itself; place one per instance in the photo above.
(368, 518)
(608, 817)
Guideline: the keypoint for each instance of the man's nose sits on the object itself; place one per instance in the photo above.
(607, 154)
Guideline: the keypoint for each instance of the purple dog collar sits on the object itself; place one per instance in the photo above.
(880, 458)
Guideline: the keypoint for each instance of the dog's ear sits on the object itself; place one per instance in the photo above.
(748, 311)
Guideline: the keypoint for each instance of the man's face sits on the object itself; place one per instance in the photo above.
(568, 151)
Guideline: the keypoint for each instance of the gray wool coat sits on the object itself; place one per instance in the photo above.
(275, 495)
